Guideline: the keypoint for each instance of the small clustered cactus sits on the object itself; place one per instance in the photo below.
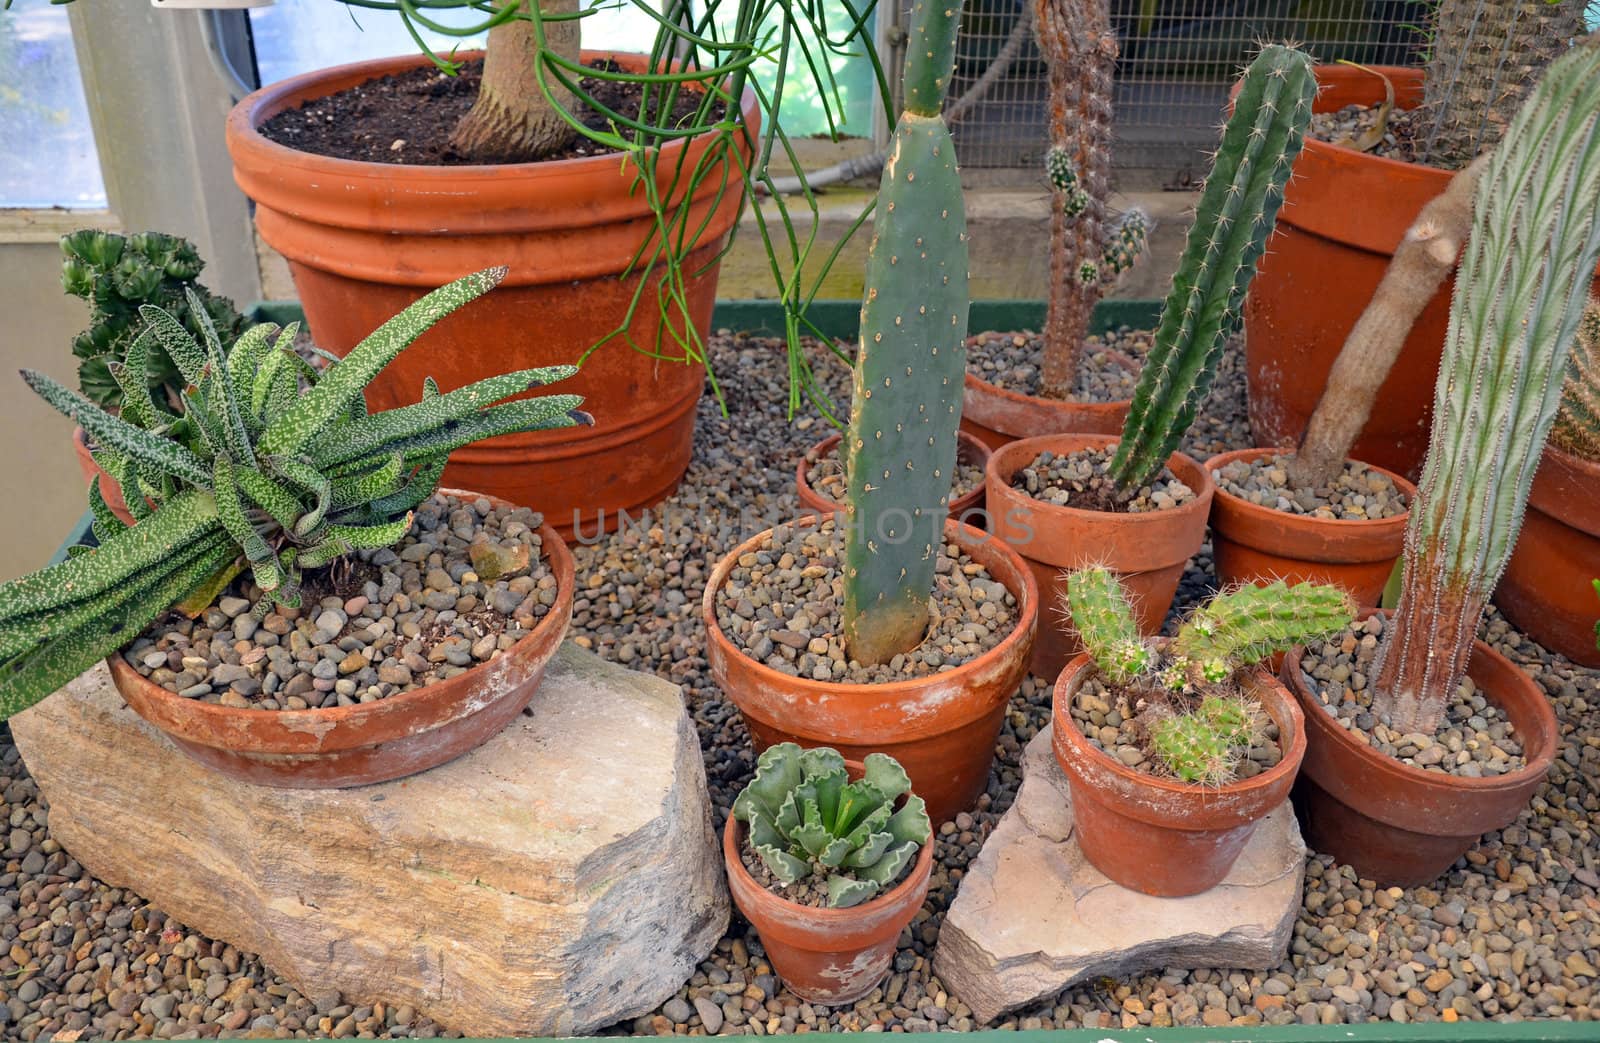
(1127, 239)
(808, 820)
(1577, 427)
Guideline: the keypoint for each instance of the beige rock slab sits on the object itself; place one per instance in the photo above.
(560, 878)
(1034, 917)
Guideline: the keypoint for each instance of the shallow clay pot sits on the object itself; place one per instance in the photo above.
(967, 508)
(337, 747)
(1546, 590)
(941, 728)
(110, 490)
(1159, 836)
(829, 956)
(1400, 825)
(364, 240)
(996, 416)
(1255, 544)
(1146, 551)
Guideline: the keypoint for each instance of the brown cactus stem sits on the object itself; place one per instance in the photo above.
(1080, 50)
(512, 121)
(1426, 644)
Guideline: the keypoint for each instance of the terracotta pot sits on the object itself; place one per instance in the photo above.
(1400, 825)
(829, 956)
(1255, 544)
(1161, 836)
(337, 747)
(1546, 590)
(967, 508)
(1147, 551)
(941, 728)
(997, 416)
(364, 240)
(110, 490)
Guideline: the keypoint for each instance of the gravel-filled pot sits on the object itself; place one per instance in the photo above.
(1164, 836)
(1400, 824)
(997, 415)
(940, 726)
(331, 747)
(1547, 588)
(1146, 550)
(967, 508)
(1252, 543)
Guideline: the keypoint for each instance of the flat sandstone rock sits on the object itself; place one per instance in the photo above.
(1033, 916)
(558, 879)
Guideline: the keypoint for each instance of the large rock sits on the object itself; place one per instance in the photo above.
(1033, 916)
(560, 878)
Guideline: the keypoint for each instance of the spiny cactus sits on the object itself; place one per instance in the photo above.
(807, 819)
(901, 443)
(1096, 606)
(1520, 298)
(1250, 623)
(1577, 427)
(1203, 745)
(1126, 245)
(271, 465)
(1237, 212)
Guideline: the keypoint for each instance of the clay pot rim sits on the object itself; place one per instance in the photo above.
(1027, 613)
(977, 453)
(1243, 506)
(216, 718)
(1557, 468)
(1288, 764)
(1040, 443)
(1533, 770)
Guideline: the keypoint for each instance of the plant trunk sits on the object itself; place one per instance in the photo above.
(1081, 52)
(512, 121)
(1426, 254)
(1426, 644)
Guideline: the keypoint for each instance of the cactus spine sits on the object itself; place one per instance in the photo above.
(911, 363)
(1520, 298)
(1251, 623)
(1237, 211)
(1577, 428)
(1203, 745)
(1097, 607)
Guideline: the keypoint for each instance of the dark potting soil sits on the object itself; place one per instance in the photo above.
(812, 891)
(409, 117)
(1081, 480)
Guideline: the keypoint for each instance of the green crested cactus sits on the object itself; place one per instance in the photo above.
(1521, 293)
(271, 464)
(1096, 606)
(1203, 745)
(807, 819)
(901, 443)
(1577, 427)
(1237, 212)
(1250, 623)
(118, 275)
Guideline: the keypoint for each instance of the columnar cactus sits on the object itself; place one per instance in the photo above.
(1237, 212)
(808, 819)
(1203, 745)
(1097, 607)
(1577, 427)
(909, 370)
(1519, 301)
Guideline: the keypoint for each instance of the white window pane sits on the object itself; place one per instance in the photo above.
(45, 136)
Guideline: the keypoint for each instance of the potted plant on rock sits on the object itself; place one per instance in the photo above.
(307, 557)
(892, 629)
(1421, 737)
(1175, 749)
(1133, 503)
(830, 861)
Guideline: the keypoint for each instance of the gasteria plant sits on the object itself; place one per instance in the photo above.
(1519, 302)
(268, 464)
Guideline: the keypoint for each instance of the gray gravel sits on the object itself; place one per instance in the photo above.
(1358, 493)
(1108, 369)
(1079, 479)
(1401, 133)
(1113, 720)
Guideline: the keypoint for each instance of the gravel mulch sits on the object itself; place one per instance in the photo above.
(1404, 133)
(1108, 369)
(1111, 720)
(1510, 932)
(1079, 479)
(827, 477)
(1359, 493)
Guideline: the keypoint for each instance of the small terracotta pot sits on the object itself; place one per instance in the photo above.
(364, 240)
(1147, 551)
(1400, 825)
(1255, 544)
(337, 747)
(997, 416)
(941, 728)
(110, 490)
(829, 956)
(967, 508)
(1546, 590)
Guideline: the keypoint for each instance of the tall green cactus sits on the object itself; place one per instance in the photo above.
(1520, 297)
(911, 363)
(1236, 214)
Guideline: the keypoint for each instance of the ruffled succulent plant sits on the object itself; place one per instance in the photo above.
(807, 819)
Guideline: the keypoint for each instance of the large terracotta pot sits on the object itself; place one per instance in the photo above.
(1401, 825)
(1146, 551)
(110, 490)
(997, 416)
(1163, 836)
(364, 240)
(941, 728)
(967, 508)
(337, 747)
(1547, 590)
(1255, 544)
(830, 956)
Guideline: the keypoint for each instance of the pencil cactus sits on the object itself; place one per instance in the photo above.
(1237, 212)
(1577, 427)
(807, 819)
(1203, 745)
(901, 443)
(1096, 606)
(270, 465)
(1520, 298)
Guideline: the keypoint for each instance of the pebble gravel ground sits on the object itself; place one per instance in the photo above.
(1354, 122)
(1511, 931)
(1358, 494)
(1108, 369)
